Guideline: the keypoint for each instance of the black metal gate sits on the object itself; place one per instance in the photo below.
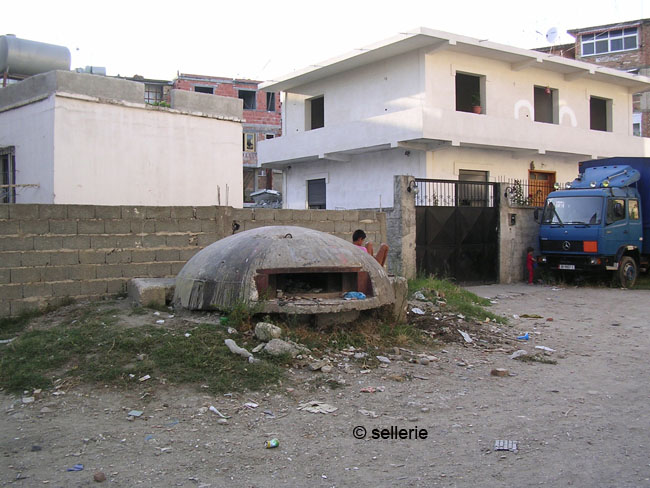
(457, 230)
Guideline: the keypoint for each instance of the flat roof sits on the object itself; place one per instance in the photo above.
(425, 38)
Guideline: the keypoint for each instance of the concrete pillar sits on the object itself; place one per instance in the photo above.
(400, 226)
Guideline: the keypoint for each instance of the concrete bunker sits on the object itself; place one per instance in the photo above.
(283, 269)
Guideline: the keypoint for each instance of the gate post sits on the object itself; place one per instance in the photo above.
(400, 225)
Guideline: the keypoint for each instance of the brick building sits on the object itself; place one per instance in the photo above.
(262, 120)
(624, 46)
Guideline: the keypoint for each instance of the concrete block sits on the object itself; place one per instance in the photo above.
(209, 226)
(133, 213)
(367, 215)
(341, 226)
(264, 214)
(9, 227)
(37, 290)
(5, 276)
(23, 211)
(117, 226)
(176, 267)
(46, 243)
(400, 287)
(108, 212)
(159, 270)
(207, 212)
(90, 227)
(116, 286)
(177, 240)
(25, 275)
(135, 270)
(143, 256)
(192, 225)
(142, 226)
(323, 226)
(16, 243)
(81, 211)
(109, 271)
(73, 242)
(10, 259)
(151, 291)
(166, 225)
(21, 306)
(157, 213)
(114, 256)
(63, 227)
(95, 287)
(66, 288)
(5, 308)
(126, 242)
(241, 214)
(285, 216)
(154, 241)
(11, 292)
(64, 258)
(218, 106)
(92, 257)
(334, 214)
(55, 273)
(52, 211)
(166, 255)
(4, 211)
(186, 254)
(207, 239)
(103, 242)
(83, 272)
(335, 318)
(182, 212)
(34, 258)
(38, 227)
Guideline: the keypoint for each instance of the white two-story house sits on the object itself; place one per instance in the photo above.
(437, 105)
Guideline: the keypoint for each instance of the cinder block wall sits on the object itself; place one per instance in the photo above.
(50, 252)
(514, 239)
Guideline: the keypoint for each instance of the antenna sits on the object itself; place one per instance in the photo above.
(551, 35)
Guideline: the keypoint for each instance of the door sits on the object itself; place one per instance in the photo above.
(540, 184)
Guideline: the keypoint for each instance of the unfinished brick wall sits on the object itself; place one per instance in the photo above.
(50, 252)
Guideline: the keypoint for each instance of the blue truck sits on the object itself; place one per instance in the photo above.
(600, 222)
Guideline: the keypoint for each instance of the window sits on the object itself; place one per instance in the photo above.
(633, 209)
(472, 195)
(270, 102)
(468, 93)
(204, 89)
(546, 105)
(315, 113)
(610, 41)
(600, 114)
(615, 210)
(7, 175)
(636, 124)
(269, 136)
(249, 98)
(249, 142)
(153, 93)
(316, 193)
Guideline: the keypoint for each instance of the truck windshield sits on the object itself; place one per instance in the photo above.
(573, 210)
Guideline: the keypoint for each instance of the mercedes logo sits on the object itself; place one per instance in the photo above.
(566, 245)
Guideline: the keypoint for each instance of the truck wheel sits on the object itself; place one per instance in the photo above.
(627, 272)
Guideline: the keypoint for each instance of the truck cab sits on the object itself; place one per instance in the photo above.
(595, 225)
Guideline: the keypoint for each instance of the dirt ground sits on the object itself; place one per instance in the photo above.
(581, 422)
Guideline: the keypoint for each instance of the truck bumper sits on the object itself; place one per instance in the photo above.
(582, 263)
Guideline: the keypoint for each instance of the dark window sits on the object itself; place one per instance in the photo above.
(316, 193)
(269, 136)
(249, 98)
(153, 94)
(7, 175)
(472, 195)
(204, 89)
(610, 41)
(615, 210)
(270, 102)
(468, 93)
(317, 113)
(633, 209)
(599, 114)
(545, 105)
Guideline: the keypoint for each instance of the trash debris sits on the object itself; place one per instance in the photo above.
(383, 359)
(360, 355)
(7, 341)
(272, 443)
(515, 316)
(372, 389)
(258, 348)
(187, 334)
(144, 378)
(156, 313)
(317, 407)
(135, 413)
(30, 399)
(524, 337)
(223, 320)
(36, 448)
(354, 295)
(519, 353)
(148, 437)
(531, 316)
(251, 405)
(418, 295)
(214, 410)
(544, 348)
(368, 413)
(499, 372)
(466, 336)
(160, 322)
(76, 467)
(99, 477)
(235, 349)
(417, 311)
(502, 445)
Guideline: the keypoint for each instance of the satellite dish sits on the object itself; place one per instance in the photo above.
(551, 35)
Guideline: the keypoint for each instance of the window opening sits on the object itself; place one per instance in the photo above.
(315, 113)
(7, 175)
(153, 94)
(600, 114)
(468, 93)
(270, 102)
(470, 195)
(615, 210)
(546, 106)
(204, 89)
(249, 142)
(269, 136)
(633, 209)
(249, 99)
(610, 41)
(316, 194)
(316, 282)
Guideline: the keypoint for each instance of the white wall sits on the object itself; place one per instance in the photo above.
(109, 154)
(30, 129)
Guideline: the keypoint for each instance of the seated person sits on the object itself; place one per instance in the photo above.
(357, 239)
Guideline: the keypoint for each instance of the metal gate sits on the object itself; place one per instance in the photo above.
(457, 230)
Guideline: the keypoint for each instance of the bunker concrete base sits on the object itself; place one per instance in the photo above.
(151, 291)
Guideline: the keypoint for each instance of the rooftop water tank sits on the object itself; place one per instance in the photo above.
(27, 58)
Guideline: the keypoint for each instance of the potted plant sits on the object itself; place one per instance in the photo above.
(476, 103)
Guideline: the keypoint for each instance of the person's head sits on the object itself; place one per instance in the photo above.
(358, 235)
(529, 250)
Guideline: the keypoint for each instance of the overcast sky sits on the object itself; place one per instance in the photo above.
(261, 39)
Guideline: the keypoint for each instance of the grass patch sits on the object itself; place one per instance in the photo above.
(95, 348)
(642, 282)
(10, 326)
(458, 299)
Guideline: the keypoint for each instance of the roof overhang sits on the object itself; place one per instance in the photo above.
(433, 40)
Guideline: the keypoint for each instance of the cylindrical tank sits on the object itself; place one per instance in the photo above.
(23, 57)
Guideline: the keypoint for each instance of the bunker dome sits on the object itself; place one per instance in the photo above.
(282, 269)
